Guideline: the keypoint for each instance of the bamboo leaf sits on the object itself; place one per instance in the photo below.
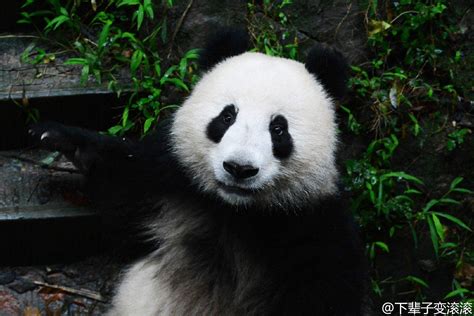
(438, 226)
(417, 280)
(458, 292)
(455, 182)
(382, 246)
(433, 234)
(454, 220)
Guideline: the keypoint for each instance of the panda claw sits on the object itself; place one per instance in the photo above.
(45, 135)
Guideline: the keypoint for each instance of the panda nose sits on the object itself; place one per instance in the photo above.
(239, 171)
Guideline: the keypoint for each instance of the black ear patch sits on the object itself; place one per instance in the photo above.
(223, 44)
(331, 69)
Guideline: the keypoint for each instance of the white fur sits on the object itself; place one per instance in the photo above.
(260, 87)
(139, 293)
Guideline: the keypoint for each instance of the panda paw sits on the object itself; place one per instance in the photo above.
(52, 136)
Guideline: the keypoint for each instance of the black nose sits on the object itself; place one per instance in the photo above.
(239, 171)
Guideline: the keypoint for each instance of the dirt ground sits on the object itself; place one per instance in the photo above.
(84, 287)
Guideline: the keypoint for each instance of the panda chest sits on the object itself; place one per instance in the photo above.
(203, 268)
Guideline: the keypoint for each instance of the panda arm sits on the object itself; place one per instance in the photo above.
(328, 270)
(113, 166)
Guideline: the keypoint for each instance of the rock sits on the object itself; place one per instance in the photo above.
(7, 277)
(339, 23)
(22, 285)
(203, 17)
(9, 304)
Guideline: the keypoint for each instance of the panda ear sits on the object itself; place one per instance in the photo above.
(222, 44)
(330, 68)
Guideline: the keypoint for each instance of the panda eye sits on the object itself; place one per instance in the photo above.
(227, 118)
(277, 130)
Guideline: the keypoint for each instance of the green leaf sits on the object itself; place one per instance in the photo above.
(78, 45)
(140, 16)
(433, 234)
(27, 3)
(127, 35)
(178, 83)
(97, 75)
(104, 35)
(430, 204)
(63, 11)
(438, 226)
(412, 191)
(56, 22)
(147, 125)
(85, 73)
(458, 292)
(192, 54)
(128, 2)
(417, 280)
(137, 58)
(125, 116)
(158, 68)
(455, 182)
(449, 201)
(149, 8)
(401, 175)
(382, 246)
(463, 190)
(454, 220)
(183, 65)
(114, 130)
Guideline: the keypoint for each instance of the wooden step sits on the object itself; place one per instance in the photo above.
(36, 184)
(48, 78)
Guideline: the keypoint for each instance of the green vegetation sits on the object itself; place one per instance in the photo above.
(130, 33)
(409, 80)
(405, 92)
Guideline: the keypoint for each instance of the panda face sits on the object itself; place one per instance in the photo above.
(258, 130)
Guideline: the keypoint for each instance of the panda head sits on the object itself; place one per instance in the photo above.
(260, 130)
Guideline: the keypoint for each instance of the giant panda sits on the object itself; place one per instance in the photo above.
(248, 218)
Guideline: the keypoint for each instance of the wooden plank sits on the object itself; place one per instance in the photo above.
(19, 80)
(40, 185)
(43, 212)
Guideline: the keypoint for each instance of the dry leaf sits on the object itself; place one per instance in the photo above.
(31, 311)
(377, 27)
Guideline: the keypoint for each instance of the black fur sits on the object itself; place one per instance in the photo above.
(118, 170)
(223, 44)
(281, 138)
(221, 123)
(331, 69)
(305, 264)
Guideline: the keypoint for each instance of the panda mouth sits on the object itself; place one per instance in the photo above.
(237, 190)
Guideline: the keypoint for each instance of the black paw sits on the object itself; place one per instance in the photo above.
(52, 136)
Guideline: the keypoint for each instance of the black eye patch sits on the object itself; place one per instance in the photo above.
(281, 138)
(221, 123)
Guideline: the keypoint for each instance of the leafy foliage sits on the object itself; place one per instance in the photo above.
(408, 80)
(110, 36)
